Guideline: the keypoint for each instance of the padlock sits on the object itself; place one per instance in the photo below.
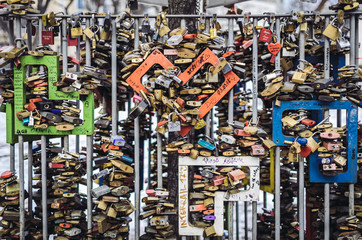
(257, 150)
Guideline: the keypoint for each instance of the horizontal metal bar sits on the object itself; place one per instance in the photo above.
(195, 16)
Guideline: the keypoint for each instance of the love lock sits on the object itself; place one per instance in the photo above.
(305, 151)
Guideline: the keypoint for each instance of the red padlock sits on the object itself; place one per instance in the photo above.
(6, 174)
(72, 41)
(47, 37)
(31, 107)
(184, 151)
(308, 122)
(56, 165)
(265, 35)
(305, 151)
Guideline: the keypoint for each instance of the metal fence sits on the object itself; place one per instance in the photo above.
(15, 33)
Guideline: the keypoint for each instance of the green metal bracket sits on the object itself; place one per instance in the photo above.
(52, 64)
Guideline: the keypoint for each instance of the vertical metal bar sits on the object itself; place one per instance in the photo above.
(326, 185)
(277, 192)
(255, 74)
(352, 62)
(264, 199)
(246, 220)
(12, 157)
(237, 221)
(21, 155)
(11, 31)
(255, 112)
(357, 40)
(30, 178)
(159, 155)
(65, 67)
(18, 30)
(137, 149)
(89, 180)
(183, 23)
(301, 160)
(231, 120)
(40, 29)
(44, 196)
(77, 55)
(29, 35)
(277, 153)
(12, 145)
(114, 79)
(88, 47)
(65, 45)
(22, 191)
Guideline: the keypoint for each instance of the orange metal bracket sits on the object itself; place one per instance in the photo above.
(156, 57)
(207, 56)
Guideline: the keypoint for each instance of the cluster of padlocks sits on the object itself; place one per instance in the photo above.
(214, 115)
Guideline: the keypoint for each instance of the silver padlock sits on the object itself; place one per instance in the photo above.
(100, 191)
(228, 139)
(174, 126)
(164, 82)
(119, 191)
(227, 68)
(72, 232)
(158, 221)
(175, 40)
(118, 140)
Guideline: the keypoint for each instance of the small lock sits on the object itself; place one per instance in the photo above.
(257, 150)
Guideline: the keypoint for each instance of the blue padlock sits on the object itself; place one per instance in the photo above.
(324, 160)
(26, 121)
(206, 144)
(56, 111)
(302, 141)
(36, 148)
(127, 159)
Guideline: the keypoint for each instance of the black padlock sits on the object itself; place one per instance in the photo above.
(45, 105)
(133, 4)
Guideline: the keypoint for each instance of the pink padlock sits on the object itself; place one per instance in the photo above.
(329, 167)
(257, 150)
(241, 133)
(236, 175)
(218, 180)
(330, 135)
(150, 192)
(332, 146)
(247, 44)
(136, 99)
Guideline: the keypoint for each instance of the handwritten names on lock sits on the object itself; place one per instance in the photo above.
(274, 48)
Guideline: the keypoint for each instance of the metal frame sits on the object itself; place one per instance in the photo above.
(251, 195)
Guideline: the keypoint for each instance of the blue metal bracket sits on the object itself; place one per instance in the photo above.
(350, 176)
